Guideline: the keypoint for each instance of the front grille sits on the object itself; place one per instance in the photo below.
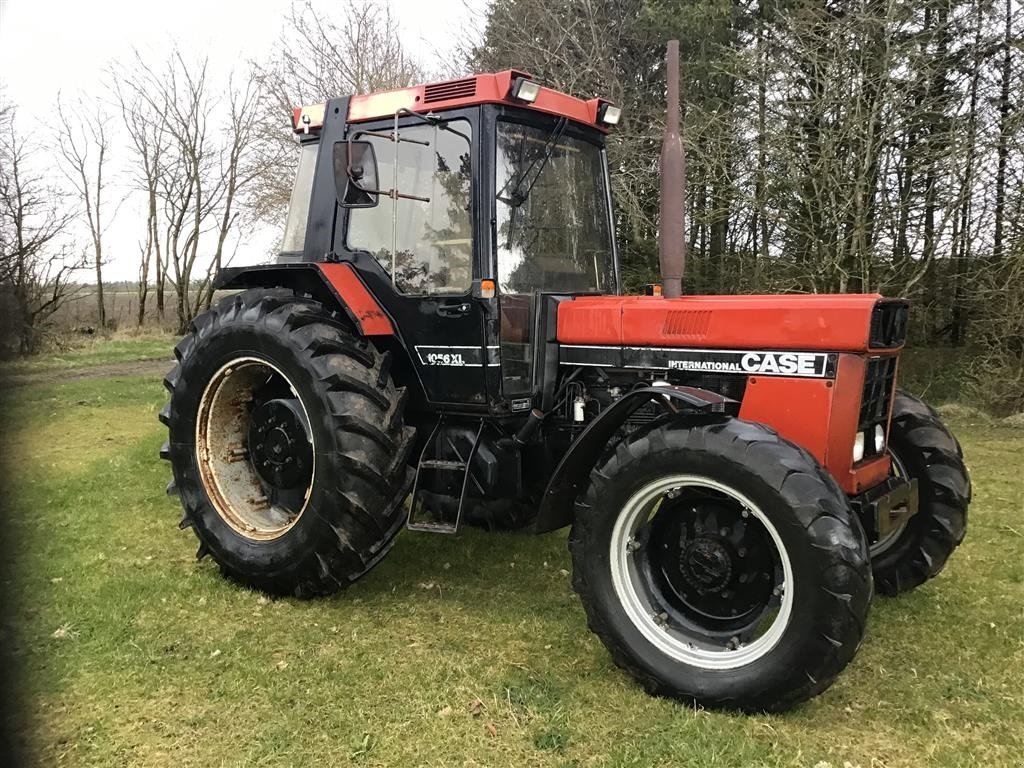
(453, 89)
(878, 385)
(889, 320)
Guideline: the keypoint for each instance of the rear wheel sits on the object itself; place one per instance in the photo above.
(287, 444)
(722, 564)
(921, 447)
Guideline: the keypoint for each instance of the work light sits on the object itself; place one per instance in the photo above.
(609, 114)
(524, 90)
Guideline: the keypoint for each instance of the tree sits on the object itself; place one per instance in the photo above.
(35, 269)
(193, 170)
(359, 52)
(84, 144)
(148, 135)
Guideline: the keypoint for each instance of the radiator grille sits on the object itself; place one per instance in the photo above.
(878, 385)
(889, 320)
(455, 89)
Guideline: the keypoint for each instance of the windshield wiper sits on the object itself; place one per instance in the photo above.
(518, 196)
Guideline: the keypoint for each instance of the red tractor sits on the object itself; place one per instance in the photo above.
(444, 340)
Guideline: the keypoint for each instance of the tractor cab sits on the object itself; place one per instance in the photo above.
(459, 205)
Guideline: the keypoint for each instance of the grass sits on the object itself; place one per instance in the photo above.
(467, 651)
(91, 351)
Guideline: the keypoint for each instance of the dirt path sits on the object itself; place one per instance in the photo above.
(156, 368)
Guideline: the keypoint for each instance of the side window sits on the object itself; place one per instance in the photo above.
(298, 209)
(424, 240)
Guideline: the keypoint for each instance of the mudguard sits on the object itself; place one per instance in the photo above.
(335, 285)
(573, 471)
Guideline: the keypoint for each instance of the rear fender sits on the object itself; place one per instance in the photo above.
(573, 471)
(336, 286)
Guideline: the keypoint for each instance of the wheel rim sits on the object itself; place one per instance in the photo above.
(254, 448)
(714, 612)
(897, 469)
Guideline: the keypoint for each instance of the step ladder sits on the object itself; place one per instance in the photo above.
(428, 506)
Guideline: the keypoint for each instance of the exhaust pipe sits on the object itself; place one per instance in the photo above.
(671, 237)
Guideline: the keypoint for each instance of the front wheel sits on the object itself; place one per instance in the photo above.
(921, 447)
(720, 563)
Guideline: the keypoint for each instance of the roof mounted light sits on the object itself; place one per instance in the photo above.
(524, 89)
(608, 114)
(308, 118)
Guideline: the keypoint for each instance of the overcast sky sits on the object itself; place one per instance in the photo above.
(66, 45)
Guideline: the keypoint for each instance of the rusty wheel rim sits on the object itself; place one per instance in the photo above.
(239, 489)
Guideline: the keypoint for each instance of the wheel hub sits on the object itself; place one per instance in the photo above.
(701, 571)
(279, 445)
(254, 448)
(706, 564)
(711, 564)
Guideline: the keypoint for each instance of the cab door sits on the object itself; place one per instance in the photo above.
(415, 249)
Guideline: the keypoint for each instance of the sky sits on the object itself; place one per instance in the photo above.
(66, 46)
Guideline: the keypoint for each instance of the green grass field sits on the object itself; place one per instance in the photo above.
(89, 352)
(457, 651)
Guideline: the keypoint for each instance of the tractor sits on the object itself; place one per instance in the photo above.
(444, 340)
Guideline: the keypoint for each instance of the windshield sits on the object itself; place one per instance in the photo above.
(554, 230)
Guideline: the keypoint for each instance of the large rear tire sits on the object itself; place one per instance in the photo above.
(721, 564)
(287, 444)
(921, 447)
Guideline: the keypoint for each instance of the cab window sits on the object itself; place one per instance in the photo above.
(294, 239)
(425, 239)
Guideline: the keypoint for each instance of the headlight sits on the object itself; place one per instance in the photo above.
(858, 447)
(879, 439)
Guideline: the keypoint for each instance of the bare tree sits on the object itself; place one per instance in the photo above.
(148, 134)
(320, 57)
(194, 166)
(84, 144)
(240, 165)
(35, 271)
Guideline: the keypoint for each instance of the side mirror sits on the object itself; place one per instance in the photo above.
(355, 174)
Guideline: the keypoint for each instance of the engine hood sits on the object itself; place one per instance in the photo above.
(832, 322)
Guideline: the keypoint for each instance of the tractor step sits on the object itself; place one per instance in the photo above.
(433, 527)
(439, 482)
(442, 464)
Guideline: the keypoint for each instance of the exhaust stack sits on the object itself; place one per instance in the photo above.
(671, 238)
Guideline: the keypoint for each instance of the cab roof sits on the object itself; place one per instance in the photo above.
(494, 88)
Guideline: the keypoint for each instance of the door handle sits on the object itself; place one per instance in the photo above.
(453, 310)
